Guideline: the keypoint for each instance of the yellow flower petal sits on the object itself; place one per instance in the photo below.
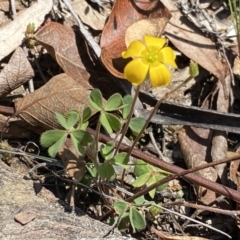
(159, 75)
(134, 50)
(167, 56)
(136, 71)
(154, 43)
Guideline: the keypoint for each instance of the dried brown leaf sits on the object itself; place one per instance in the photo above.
(73, 162)
(219, 140)
(15, 128)
(60, 94)
(152, 27)
(191, 42)
(194, 143)
(125, 13)
(60, 41)
(15, 73)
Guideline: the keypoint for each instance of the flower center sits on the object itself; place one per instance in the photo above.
(151, 56)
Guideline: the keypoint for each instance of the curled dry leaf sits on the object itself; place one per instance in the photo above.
(125, 13)
(60, 42)
(219, 141)
(191, 42)
(15, 73)
(89, 15)
(152, 27)
(61, 94)
(73, 162)
(12, 35)
(195, 144)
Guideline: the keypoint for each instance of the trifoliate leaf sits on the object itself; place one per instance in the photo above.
(96, 99)
(50, 137)
(113, 102)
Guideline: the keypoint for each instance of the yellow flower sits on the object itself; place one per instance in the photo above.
(149, 60)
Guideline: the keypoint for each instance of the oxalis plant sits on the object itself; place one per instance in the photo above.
(151, 61)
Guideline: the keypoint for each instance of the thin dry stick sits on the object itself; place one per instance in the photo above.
(186, 174)
(13, 7)
(205, 208)
(83, 30)
(191, 219)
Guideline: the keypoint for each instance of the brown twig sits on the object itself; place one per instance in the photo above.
(176, 172)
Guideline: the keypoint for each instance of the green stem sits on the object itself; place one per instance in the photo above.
(154, 111)
(128, 119)
(95, 160)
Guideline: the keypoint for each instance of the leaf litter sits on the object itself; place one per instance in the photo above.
(200, 139)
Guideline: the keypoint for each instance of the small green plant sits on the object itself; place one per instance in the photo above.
(116, 115)
(74, 126)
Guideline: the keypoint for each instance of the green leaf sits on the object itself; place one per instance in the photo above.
(120, 207)
(62, 120)
(136, 124)
(193, 69)
(50, 137)
(110, 122)
(83, 137)
(72, 119)
(158, 178)
(86, 114)
(96, 99)
(92, 170)
(77, 145)
(52, 151)
(139, 201)
(141, 180)
(113, 102)
(127, 101)
(106, 170)
(141, 167)
(136, 219)
(155, 210)
(123, 225)
(121, 159)
(151, 181)
(107, 150)
(84, 126)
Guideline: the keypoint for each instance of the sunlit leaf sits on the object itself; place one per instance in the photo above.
(50, 137)
(151, 181)
(110, 122)
(96, 99)
(140, 200)
(137, 219)
(127, 101)
(72, 119)
(140, 168)
(120, 207)
(141, 180)
(121, 159)
(77, 145)
(86, 114)
(52, 151)
(107, 150)
(136, 124)
(113, 102)
(61, 119)
(83, 137)
(158, 178)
